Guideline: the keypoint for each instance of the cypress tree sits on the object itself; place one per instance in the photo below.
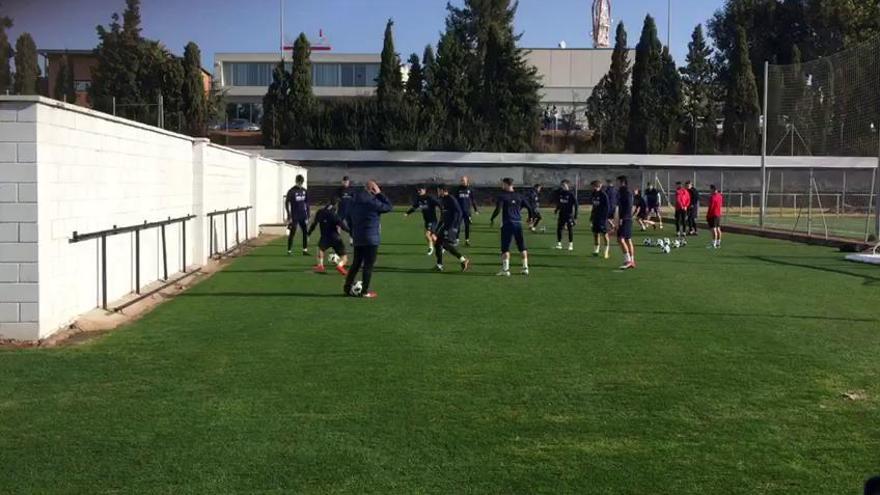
(431, 114)
(5, 55)
(415, 84)
(698, 91)
(389, 93)
(609, 105)
(300, 104)
(193, 91)
(26, 69)
(670, 104)
(645, 105)
(273, 103)
(65, 89)
(120, 66)
(741, 108)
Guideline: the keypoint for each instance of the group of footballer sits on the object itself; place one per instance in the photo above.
(450, 213)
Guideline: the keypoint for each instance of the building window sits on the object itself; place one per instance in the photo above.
(82, 86)
(359, 75)
(252, 112)
(247, 73)
(325, 75)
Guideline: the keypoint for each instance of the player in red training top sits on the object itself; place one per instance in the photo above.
(713, 217)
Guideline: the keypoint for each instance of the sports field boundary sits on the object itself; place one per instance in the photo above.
(844, 244)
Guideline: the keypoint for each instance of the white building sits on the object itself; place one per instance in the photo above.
(244, 78)
(568, 77)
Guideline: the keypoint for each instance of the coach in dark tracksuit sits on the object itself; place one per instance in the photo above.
(366, 206)
(344, 195)
(693, 210)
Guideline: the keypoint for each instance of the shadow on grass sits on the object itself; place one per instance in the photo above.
(451, 270)
(709, 314)
(867, 279)
(304, 295)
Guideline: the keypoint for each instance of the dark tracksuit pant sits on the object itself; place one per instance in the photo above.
(564, 223)
(681, 220)
(444, 242)
(693, 214)
(364, 260)
(301, 223)
(466, 222)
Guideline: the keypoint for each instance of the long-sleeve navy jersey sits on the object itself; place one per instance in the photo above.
(695, 197)
(601, 207)
(330, 224)
(510, 205)
(611, 192)
(427, 205)
(641, 205)
(625, 203)
(465, 196)
(566, 204)
(451, 209)
(364, 213)
(652, 197)
(297, 203)
(344, 195)
(534, 198)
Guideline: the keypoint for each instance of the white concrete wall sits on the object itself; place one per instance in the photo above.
(65, 168)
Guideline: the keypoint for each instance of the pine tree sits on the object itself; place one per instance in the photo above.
(27, 72)
(65, 89)
(5, 55)
(609, 105)
(741, 108)
(193, 92)
(699, 95)
(389, 95)
(450, 93)
(670, 104)
(643, 136)
(300, 104)
(120, 66)
(273, 107)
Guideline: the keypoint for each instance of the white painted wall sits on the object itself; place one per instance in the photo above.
(65, 168)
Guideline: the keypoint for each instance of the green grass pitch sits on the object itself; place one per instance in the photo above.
(700, 372)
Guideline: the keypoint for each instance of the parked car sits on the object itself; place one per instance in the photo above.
(240, 125)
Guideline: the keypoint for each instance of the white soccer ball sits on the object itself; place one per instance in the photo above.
(666, 249)
(676, 244)
(648, 242)
(334, 258)
(667, 242)
(357, 289)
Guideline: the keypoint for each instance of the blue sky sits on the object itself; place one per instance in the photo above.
(350, 25)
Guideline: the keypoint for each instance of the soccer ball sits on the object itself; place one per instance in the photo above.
(357, 289)
(334, 258)
(666, 249)
(676, 244)
(648, 242)
(667, 241)
(684, 242)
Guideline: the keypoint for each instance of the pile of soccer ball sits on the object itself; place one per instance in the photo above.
(666, 245)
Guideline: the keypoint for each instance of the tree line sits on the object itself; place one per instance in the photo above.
(477, 92)
(131, 69)
(712, 104)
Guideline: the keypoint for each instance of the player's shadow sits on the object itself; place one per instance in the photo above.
(427, 271)
(303, 295)
(867, 279)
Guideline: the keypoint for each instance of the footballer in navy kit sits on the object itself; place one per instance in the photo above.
(296, 204)
(599, 219)
(509, 205)
(566, 214)
(446, 236)
(428, 206)
(625, 227)
(533, 196)
(611, 191)
(330, 224)
(465, 196)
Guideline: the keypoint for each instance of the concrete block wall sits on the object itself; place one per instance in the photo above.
(65, 168)
(19, 277)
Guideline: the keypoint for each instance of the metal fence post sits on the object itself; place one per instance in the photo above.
(764, 146)
(137, 261)
(104, 272)
(810, 207)
(164, 255)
